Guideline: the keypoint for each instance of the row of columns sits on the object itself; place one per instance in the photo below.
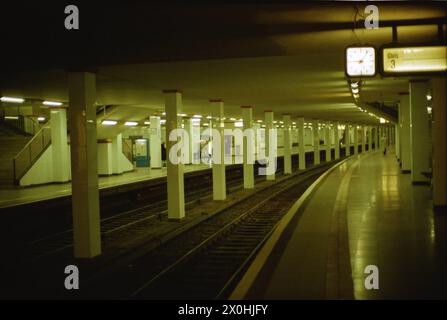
(421, 150)
(84, 163)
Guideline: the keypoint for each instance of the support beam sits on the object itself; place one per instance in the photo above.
(287, 144)
(363, 130)
(356, 139)
(155, 142)
(117, 150)
(347, 140)
(249, 143)
(439, 143)
(316, 140)
(301, 149)
(174, 161)
(84, 171)
(59, 145)
(327, 140)
(419, 132)
(219, 178)
(269, 126)
(370, 139)
(336, 141)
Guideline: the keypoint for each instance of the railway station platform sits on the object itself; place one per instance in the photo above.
(12, 196)
(364, 212)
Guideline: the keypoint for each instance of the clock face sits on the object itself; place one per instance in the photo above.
(360, 61)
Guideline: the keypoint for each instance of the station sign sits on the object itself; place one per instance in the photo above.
(413, 60)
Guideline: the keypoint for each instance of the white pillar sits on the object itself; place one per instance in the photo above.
(405, 146)
(336, 141)
(249, 143)
(356, 139)
(117, 150)
(316, 141)
(155, 142)
(439, 143)
(327, 140)
(175, 182)
(105, 158)
(287, 144)
(219, 178)
(370, 139)
(419, 132)
(188, 127)
(301, 149)
(363, 130)
(195, 141)
(269, 125)
(347, 140)
(84, 171)
(59, 145)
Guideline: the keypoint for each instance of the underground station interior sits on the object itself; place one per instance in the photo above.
(231, 152)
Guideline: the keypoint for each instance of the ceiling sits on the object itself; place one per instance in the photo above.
(289, 59)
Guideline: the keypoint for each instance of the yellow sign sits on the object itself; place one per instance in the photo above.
(413, 60)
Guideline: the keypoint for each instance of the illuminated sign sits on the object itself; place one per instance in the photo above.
(414, 60)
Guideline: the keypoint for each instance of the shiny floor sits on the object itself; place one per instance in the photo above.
(20, 195)
(366, 212)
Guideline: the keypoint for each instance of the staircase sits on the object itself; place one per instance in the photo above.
(11, 142)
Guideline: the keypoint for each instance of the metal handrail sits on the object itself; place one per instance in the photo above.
(29, 154)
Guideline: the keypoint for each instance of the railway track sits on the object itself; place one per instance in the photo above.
(60, 241)
(204, 262)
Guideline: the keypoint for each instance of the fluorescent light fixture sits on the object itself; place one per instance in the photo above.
(148, 122)
(209, 117)
(11, 99)
(163, 113)
(162, 121)
(355, 90)
(259, 121)
(205, 124)
(182, 114)
(429, 97)
(238, 124)
(130, 123)
(382, 120)
(232, 119)
(41, 119)
(429, 110)
(109, 122)
(11, 117)
(354, 84)
(197, 116)
(52, 103)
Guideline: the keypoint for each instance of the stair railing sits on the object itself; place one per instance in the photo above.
(29, 154)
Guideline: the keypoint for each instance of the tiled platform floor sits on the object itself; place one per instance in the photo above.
(379, 219)
(19, 195)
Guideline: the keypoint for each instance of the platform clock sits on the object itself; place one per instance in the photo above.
(360, 61)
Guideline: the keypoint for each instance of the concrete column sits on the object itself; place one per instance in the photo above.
(219, 178)
(327, 140)
(59, 145)
(155, 143)
(419, 132)
(356, 140)
(336, 141)
(363, 130)
(117, 150)
(105, 158)
(397, 141)
(287, 144)
(174, 170)
(347, 139)
(195, 141)
(269, 125)
(316, 141)
(370, 139)
(84, 171)
(439, 104)
(405, 146)
(249, 143)
(301, 149)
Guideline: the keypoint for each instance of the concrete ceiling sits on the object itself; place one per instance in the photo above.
(286, 58)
